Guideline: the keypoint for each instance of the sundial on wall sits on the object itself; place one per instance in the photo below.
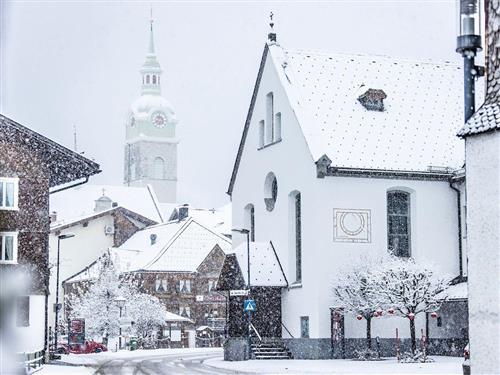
(351, 225)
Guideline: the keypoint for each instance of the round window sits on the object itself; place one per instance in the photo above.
(270, 191)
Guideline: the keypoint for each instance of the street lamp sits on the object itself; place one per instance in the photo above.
(468, 44)
(120, 301)
(56, 326)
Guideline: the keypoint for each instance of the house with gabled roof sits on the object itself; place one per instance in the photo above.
(344, 155)
(108, 225)
(179, 262)
(32, 167)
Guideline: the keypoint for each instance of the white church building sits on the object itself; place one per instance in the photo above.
(344, 155)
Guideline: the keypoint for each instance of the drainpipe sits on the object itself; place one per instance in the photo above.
(459, 211)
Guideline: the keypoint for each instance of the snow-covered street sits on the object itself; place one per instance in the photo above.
(160, 361)
(210, 361)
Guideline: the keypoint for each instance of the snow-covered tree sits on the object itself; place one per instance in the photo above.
(353, 290)
(147, 313)
(410, 289)
(97, 304)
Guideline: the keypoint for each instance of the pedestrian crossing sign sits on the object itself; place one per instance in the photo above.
(249, 305)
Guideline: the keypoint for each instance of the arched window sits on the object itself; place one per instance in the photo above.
(147, 79)
(261, 133)
(398, 223)
(269, 118)
(132, 169)
(154, 80)
(249, 220)
(277, 126)
(295, 233)
(159, 168)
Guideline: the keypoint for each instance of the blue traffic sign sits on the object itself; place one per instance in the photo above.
(249, 305)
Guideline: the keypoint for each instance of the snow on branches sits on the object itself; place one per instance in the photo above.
(352, 288)
(398, 285)
(96, 303)
(410, 288)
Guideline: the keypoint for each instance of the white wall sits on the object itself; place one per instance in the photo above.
(76, 253)
(483, 244)
(434, 218)
(31, 339)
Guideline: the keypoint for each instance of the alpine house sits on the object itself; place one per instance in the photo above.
(341, 156)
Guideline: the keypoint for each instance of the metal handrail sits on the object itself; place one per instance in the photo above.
(255, 330)
(286, 329)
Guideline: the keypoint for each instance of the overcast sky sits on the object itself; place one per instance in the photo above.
(66, 64)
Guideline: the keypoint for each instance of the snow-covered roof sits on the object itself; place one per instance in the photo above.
(455, 292)
(218, 219)
(62, 224)
(80, 201)
(415, 130)
(179, 246)
(171, 317)
(202, 328)
(422, 108)
(265, 268)
(62, 164)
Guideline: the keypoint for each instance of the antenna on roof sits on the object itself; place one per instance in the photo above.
(272, 33)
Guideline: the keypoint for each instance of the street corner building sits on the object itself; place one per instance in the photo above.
(31, 168)
(482, 149)
(340, 156)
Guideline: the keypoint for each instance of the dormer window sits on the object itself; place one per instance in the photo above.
(373, 99)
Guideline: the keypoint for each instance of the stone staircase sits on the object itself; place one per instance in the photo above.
(269, 348)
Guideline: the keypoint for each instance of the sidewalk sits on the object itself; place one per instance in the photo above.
(442, 365)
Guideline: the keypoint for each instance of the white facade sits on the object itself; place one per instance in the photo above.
(89, 243)
(31, 338)
(292, 157)
(483, 244)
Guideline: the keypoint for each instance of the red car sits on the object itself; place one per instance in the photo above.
(88, 347)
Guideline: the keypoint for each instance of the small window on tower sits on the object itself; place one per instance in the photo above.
(159, 168)
(154, 80)
(147, 79)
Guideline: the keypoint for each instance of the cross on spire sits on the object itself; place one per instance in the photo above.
(272, 34)
(151, 49)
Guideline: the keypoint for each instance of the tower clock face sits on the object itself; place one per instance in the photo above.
(159, 119)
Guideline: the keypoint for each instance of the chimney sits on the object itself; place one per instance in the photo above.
(183, 211)
(53, 217)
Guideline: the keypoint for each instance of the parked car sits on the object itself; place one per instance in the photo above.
(89, 347)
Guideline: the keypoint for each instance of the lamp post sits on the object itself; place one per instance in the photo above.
(247, 232)
(120, 301)
(56, 326)
(468, 44)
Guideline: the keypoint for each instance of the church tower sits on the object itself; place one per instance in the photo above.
(151, 145)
